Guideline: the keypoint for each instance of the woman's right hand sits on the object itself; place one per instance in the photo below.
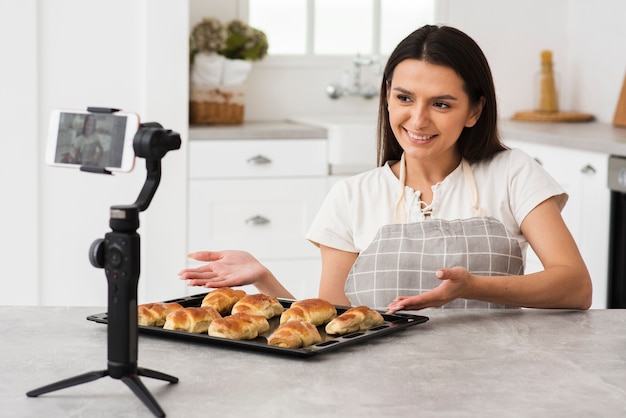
(232, 268)
(223, 268)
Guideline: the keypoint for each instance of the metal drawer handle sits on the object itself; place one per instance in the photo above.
(258, 160)
(588, 169)
(257, 220)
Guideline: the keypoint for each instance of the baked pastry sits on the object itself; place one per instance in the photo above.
(359, 318)
(295, 334)
(315, 311)
(195, 320)
(222, 299)
(239, 326)
(259, 304)
(153, 314)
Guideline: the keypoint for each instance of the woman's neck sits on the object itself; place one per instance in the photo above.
(423, 174)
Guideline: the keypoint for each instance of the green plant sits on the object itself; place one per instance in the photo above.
(244, 42)
(236, 40)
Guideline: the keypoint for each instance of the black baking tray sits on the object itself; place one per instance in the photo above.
(393, 323)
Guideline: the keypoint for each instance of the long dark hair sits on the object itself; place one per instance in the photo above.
(451, 48)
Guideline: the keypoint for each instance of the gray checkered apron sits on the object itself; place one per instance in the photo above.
(403, 257)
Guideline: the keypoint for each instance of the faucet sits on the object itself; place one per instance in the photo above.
(368, 91)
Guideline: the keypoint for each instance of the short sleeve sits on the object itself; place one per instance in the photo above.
(331, 226)
(530, 185)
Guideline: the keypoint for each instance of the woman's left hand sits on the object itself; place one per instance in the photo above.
(454, 284)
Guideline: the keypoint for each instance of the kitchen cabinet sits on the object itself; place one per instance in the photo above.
(583, 174)
(260, 196)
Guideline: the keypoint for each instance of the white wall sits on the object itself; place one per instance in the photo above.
(597, 55)
(19, 199)
(74, 54)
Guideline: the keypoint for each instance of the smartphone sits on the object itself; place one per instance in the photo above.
(79, 138)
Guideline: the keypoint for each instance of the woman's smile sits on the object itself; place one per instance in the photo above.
(420, 137)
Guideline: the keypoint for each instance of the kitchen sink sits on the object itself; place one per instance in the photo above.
(351, 142)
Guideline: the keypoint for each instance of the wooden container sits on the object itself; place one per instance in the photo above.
(620, 112)
(548, 99)
(218, 105)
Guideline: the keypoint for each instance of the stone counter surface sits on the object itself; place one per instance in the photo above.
(461, 363)
(257, 130)
(586, 136)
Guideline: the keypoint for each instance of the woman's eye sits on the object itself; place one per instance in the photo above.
(441, 105)
(403, 98)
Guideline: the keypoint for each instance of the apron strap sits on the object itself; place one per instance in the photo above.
(400, 210)
(470, 181)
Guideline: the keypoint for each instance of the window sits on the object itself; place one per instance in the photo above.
(337, 27)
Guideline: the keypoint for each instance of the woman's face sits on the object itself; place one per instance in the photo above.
(90, 125)
(428, 109)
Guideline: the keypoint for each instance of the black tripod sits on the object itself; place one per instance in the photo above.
(118, 254)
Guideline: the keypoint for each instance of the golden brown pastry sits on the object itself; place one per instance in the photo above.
(259, 304)
(295, 334)
(315, 311)
(239, 326)
(222, 299)
(153, 314)
(195, 319)
(359, 318)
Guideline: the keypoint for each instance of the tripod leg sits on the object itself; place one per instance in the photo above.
(156, 375)
(138, 388)
(72, 381)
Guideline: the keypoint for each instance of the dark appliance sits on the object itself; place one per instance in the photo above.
(617, 234)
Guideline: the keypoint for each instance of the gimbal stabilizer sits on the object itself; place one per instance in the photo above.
(118, 253)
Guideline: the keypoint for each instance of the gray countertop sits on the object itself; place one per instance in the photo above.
(587, 136)
(461, 363)
(258, 130)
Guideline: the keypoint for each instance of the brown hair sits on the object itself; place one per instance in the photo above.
(451, 48)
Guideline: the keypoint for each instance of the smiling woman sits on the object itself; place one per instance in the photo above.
(446, 217)
(318, 27)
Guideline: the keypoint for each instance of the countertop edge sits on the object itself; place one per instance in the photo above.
(258, 130)
(588, 136)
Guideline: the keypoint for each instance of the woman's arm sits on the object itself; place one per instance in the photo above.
(336, 265)
(564, 282)
(233, 268)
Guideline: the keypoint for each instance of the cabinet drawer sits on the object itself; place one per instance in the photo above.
(257, 158)
(268, 218)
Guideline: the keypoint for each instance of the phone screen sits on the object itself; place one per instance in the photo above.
(84, 139)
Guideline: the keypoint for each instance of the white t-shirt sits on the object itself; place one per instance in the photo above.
(510, 186)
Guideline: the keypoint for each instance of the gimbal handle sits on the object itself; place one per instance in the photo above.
(152, 142)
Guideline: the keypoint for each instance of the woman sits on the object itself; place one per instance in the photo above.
(87, 147)
(445, 218)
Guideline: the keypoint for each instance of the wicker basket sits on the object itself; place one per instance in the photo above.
(216, 105)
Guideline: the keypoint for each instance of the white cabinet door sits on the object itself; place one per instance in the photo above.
(266, 217)
(583, 174)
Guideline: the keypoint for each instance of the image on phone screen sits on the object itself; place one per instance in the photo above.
(86, 139)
